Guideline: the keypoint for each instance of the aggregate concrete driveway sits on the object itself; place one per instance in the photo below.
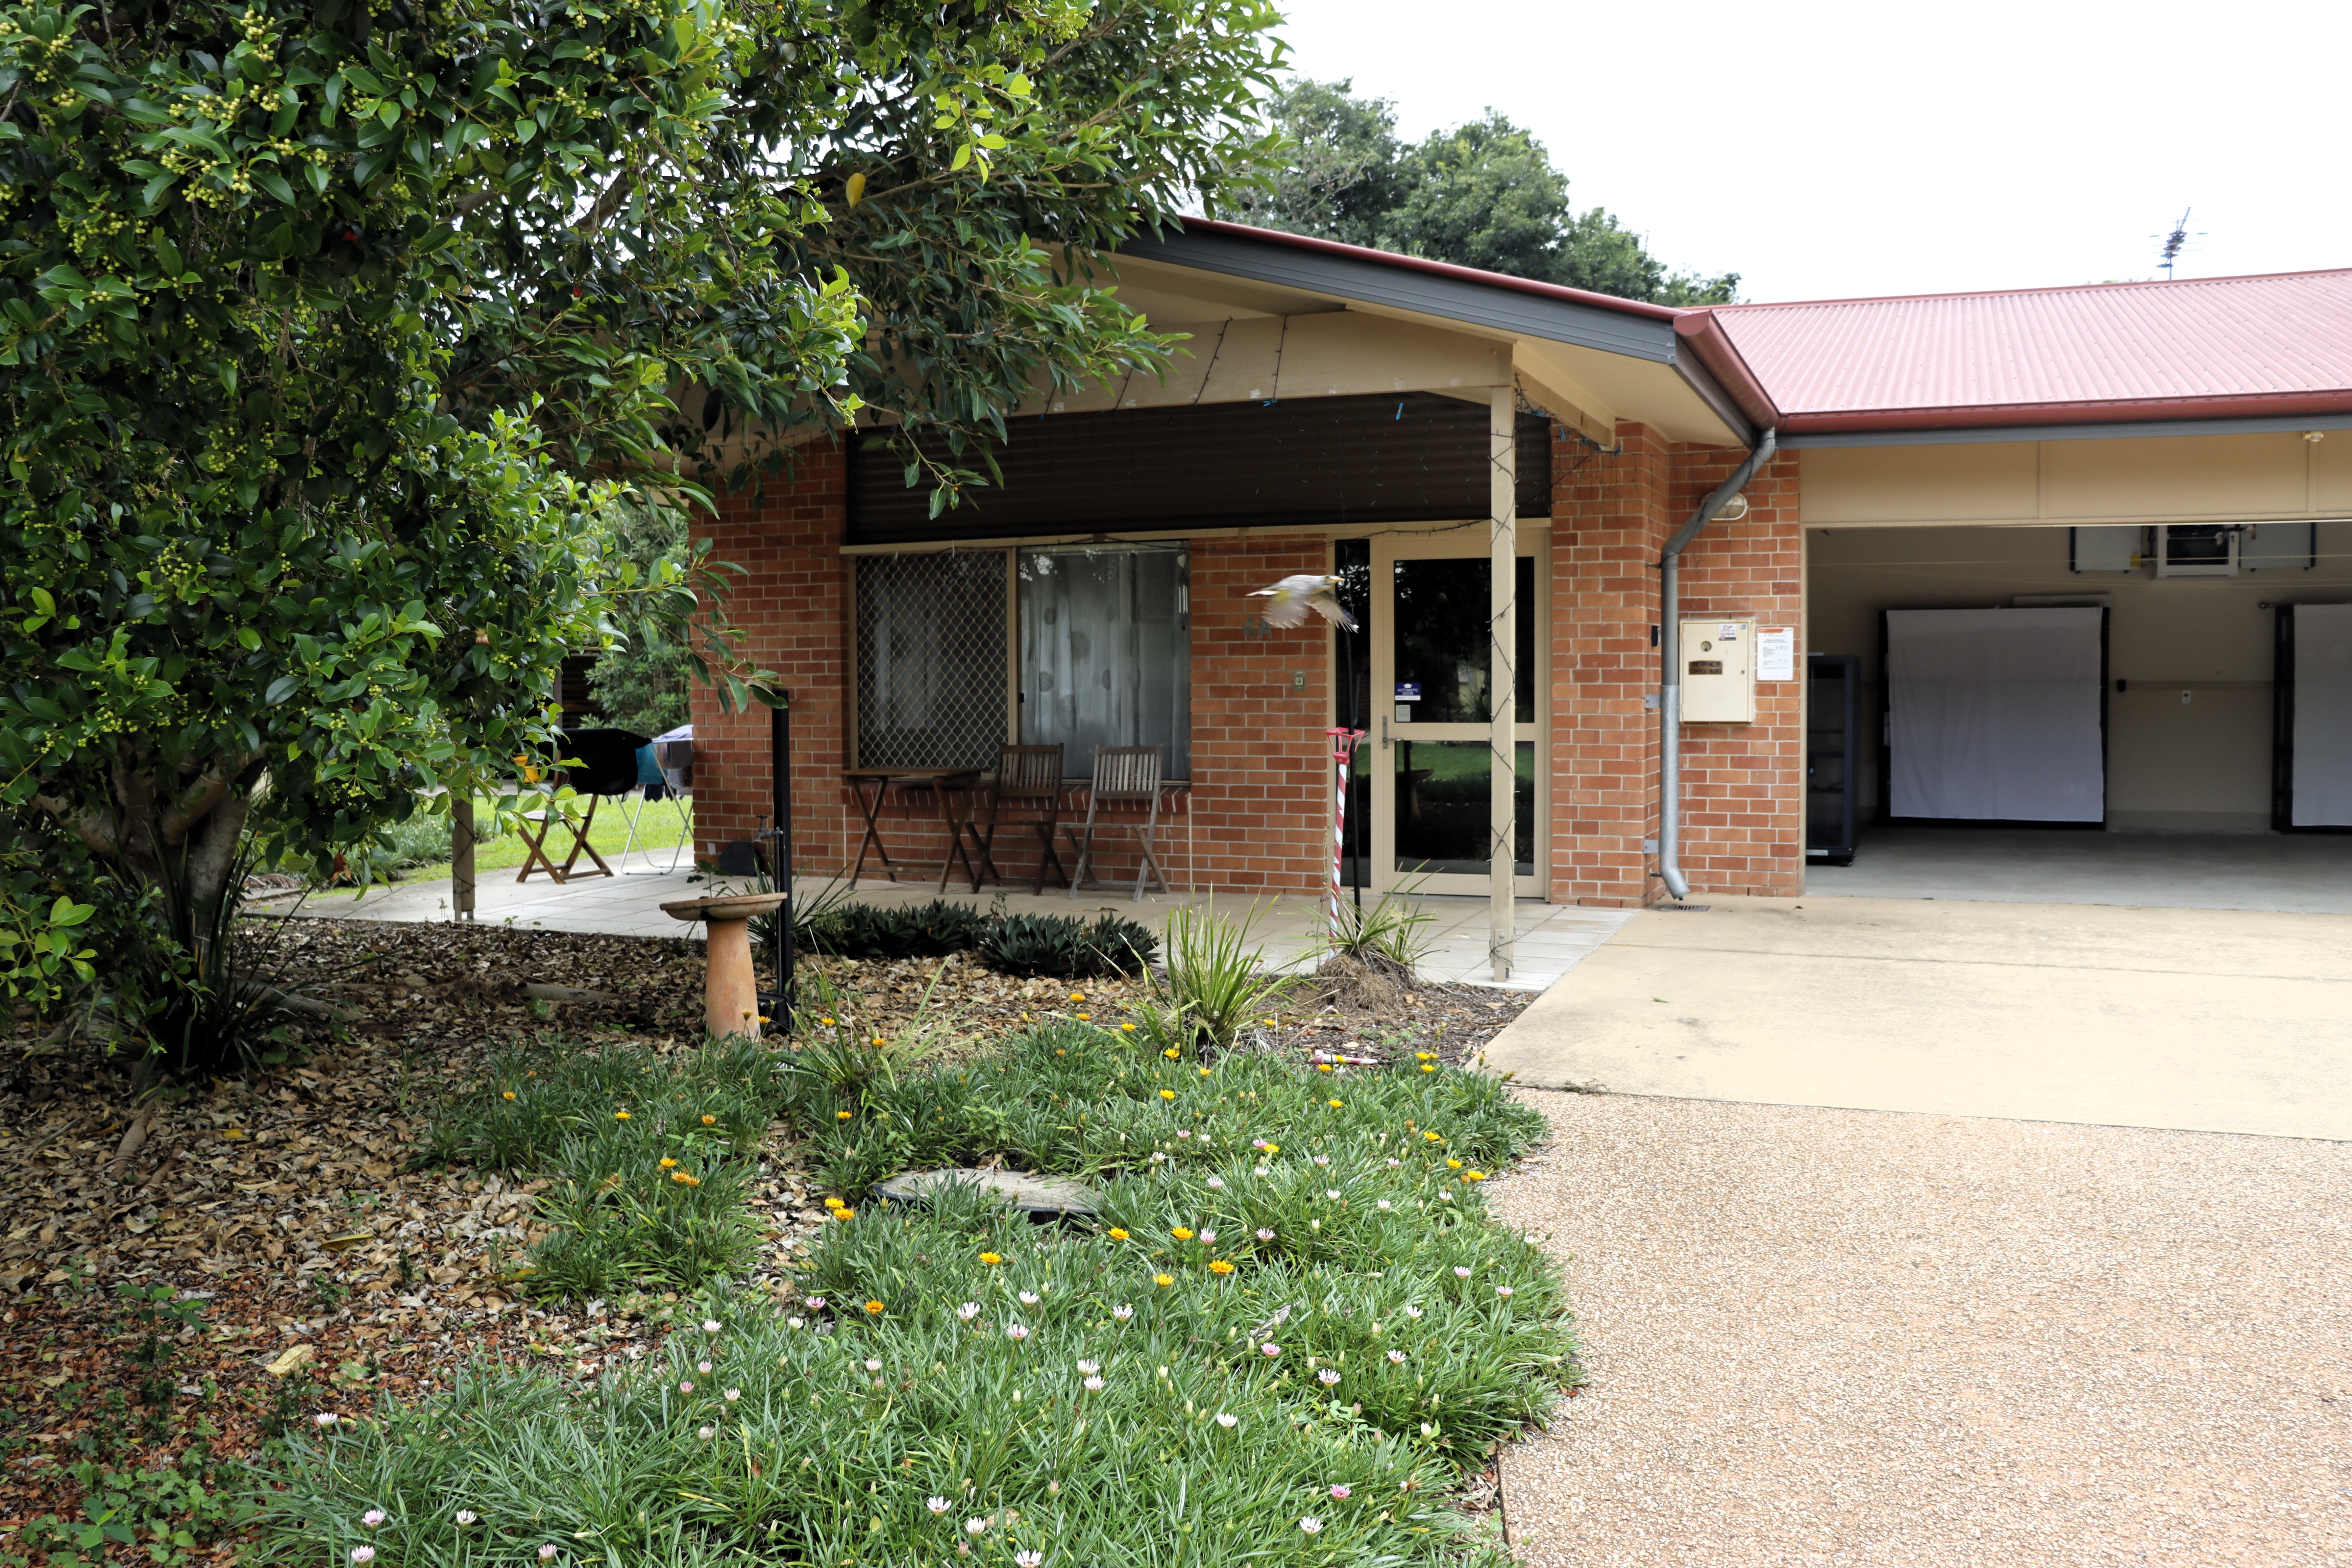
(2219, 1020)
(1834, 1336)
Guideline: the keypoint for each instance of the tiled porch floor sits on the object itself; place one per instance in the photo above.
(1551, 938)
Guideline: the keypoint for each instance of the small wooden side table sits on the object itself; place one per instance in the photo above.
(941, 782)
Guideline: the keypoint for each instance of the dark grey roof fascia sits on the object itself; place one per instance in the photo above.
(1403, 288)
(2260, 425)
(1718, 402)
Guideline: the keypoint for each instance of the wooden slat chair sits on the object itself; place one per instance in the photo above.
(1027, 792)
(1125, 777)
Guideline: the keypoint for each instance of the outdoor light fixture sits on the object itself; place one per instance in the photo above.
(1733, 509)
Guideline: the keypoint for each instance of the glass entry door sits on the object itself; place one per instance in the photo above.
(1429, 754)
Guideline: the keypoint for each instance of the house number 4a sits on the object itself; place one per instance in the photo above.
(1255, 629)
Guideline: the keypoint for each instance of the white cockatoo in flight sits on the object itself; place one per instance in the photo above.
(1293, 597)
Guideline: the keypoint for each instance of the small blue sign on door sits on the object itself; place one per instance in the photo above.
(1408, 691)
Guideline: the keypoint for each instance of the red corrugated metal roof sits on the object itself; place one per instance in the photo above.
(2199, 347)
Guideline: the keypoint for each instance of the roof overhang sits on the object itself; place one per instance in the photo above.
(1612, 359)
(2090, 430)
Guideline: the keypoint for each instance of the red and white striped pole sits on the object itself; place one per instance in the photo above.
(1343, 754)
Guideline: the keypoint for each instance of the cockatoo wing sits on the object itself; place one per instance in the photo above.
(1326, 603)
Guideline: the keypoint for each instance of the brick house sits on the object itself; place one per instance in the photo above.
(2155, 452)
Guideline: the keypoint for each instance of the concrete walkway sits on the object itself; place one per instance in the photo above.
(1820, 1336)
(2223, 1021)
(1552, 939)
(2302, 873)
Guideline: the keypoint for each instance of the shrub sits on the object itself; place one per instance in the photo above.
(1216, 982)
(1065, 947)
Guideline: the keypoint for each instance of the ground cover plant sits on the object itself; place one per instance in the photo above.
(1284, 1333)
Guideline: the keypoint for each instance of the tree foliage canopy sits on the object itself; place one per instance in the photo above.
(1482, 195)
(328, 332)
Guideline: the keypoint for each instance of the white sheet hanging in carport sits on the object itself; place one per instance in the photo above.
(2323, 716)
(1994, 715)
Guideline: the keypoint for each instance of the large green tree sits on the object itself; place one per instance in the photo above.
(327, 332)
(1482, 195)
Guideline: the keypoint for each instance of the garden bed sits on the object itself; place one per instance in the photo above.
(291, 1208)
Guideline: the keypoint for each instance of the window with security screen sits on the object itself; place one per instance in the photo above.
(1105, 653)
(931, 687)
(1103, 638)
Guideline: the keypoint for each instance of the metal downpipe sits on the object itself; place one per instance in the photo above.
(1670, 639)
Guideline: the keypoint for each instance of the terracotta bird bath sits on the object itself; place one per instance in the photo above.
(731, 993)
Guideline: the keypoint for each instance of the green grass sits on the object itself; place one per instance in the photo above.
(654, 1157)
(658, 829)
(1372, 1334)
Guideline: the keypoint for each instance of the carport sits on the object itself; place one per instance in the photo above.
(2078, 589)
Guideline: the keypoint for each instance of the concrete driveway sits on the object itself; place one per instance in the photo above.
(1816, 1337)
(2216, 1020)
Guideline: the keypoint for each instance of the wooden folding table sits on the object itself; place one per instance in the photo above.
(872, 786)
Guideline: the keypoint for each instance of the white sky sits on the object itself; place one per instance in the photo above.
(1823, 150)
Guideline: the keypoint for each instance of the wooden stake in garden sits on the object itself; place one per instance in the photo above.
(1343, 754)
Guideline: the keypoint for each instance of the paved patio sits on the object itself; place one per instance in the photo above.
(1552, 939)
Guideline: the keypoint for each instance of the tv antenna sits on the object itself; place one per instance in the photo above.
(2175, 242)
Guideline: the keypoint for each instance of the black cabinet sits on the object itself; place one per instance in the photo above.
(1829, 755)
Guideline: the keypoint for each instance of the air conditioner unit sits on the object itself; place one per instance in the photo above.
(2197, 550)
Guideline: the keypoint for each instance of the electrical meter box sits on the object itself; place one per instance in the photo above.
(1718, 672)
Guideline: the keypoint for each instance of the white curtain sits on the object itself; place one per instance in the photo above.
(2322, 734)
(1994, 715)
(1106, 654)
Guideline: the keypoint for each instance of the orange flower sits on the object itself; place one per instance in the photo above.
(1167, 1094)
(684, 1180)
(668, 1164)
(510, 1094)
(1220, 1267)
(844, 1213)
(1333, 1104)
(1116, 1234)
(1322, 1067)
(1170, 1053)
(991, 1260)
(875, 1308)
(1181, 1234)
(1163, 1281)
(1085, 1017)
(620, 1116)
(841, 1116)
(1474, 1175)
(710, 1121)
(1453, 1164)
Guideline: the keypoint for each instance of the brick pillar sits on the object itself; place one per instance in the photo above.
(791, 604)
(1610, 516)
(1743, 785)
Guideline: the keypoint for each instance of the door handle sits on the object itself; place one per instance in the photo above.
(1384, 731)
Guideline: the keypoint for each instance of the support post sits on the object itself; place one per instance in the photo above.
(1501, 679)
(461, 856)
(779, 771)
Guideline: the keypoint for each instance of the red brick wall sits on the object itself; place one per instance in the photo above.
(1742, 784)
(791, 602)
(1609, 518)
(1261, 762)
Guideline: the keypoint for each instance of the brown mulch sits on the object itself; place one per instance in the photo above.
(332, 1266)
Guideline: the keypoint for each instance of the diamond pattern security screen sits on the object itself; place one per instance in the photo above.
(931, 659)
